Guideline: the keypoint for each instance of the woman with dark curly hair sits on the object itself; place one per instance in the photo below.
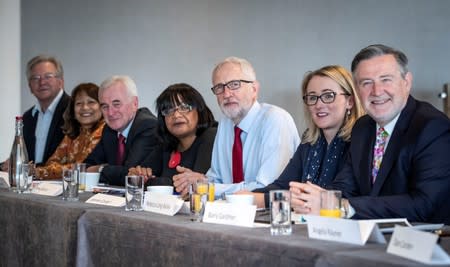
(187, 127)
(83, 127)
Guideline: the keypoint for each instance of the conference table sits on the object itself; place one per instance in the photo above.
(47, 231)
(39, 230)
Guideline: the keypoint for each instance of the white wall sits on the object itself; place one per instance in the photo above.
(162, 42)
(10, 77)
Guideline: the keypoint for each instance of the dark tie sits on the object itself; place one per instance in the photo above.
(120, 149)
(238, 166)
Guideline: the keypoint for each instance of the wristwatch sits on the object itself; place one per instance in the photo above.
(347, 209)
(100, 169)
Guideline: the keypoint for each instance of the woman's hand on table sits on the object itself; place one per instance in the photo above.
(305, 197)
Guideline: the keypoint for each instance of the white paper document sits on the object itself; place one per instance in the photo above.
(47, 188)
(107, 200)
(343, 230)
(417, 245)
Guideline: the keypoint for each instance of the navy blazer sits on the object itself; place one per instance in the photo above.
(141, 141)
(414, 176)
(55, 133)
(293, 171)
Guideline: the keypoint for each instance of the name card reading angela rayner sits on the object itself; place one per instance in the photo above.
(323, 231)
(345, 231)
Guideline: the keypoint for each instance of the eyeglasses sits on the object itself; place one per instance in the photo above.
(326, 98)
(45, 77)
(182, 108)
(232, 85)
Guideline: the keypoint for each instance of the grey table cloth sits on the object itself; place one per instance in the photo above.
(119, 238)
(47, 231)
(39, 230)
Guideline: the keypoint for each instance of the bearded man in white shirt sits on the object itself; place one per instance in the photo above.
(268, 135)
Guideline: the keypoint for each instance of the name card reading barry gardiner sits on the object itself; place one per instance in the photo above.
(342, 230)
(162, 204)
(229, 213)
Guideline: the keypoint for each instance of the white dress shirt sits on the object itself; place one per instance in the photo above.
(43, 125)
(269, 140)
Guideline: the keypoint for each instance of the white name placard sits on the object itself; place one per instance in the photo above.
(4, 180)
(47, 188)
(107, 200)
(417, 245)
(228, 213)
(343, 230)
(162, 204)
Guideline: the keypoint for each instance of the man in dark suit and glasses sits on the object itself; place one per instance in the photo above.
(130, 134)
(398, 164)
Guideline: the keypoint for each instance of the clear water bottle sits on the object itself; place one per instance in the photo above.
(18, 155)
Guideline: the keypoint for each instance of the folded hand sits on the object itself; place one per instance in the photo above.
(184, 178)
(305, 197)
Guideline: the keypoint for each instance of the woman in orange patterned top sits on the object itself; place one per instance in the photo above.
(83, 127)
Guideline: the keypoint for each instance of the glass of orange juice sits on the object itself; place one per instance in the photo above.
(198, 198)
(330, 203)
(211, 189)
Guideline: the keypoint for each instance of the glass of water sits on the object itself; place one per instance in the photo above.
(134, 192)
(280, 212)
(25, 178)
(70, 185)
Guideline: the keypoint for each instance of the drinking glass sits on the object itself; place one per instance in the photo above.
(330, 203)
(25, 178)
(280, 212)
(70, 185)
(134, 192)
(80, 169)
(211, 191)
(198, 198)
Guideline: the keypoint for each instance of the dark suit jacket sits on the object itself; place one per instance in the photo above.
(414, 176)
(294, 170)
(141, 141)
(55, 133)
(197, 158)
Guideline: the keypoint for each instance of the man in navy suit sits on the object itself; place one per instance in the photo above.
(403, 172)
(134, 127)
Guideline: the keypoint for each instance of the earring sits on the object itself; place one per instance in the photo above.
(348, 112)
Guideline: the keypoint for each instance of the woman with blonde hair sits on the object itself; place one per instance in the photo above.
(331, 109)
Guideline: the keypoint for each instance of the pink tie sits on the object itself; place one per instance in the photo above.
(238, 166)
(378, 151)
(120, 149)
